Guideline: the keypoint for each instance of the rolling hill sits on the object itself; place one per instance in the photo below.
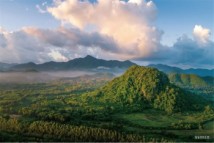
(191, 80)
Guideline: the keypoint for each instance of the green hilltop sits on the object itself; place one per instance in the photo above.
(141, 88)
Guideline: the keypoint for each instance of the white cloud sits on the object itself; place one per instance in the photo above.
(128, 23)
(57, 56)
(186, 52)
(3, 42)
(62, 44)
(109, 29)
(135, 1)
(201, 34)
(40, 10)
(2, 30)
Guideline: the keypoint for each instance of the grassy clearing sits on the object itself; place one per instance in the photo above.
(159, 122)
(152, 118)
(209, 126)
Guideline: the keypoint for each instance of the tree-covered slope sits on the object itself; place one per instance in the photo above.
(142, 87)
(191, 80)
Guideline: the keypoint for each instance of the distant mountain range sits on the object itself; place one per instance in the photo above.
(91, 63)
(85, 63)
(168, 69)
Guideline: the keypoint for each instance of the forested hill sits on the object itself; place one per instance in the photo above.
(191, 80)
(143, 87)
(86, 63)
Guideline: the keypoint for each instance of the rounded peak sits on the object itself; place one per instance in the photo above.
(136, 69)
(145, 81)
(30, 63)
(151, 77)
(141, 67)
(89, 56)
(142, 87)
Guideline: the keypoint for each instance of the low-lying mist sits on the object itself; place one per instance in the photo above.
(42, 77)
(63, 74)
(38, 77)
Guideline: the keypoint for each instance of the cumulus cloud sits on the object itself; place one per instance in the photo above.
(186, 51)
(128, 23)
(20, 47)
(201, 34)
(62, 44)
(57, 56)
(121, 30)
(109, 29)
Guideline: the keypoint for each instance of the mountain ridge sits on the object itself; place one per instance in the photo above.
(87, 62)
(170, 69)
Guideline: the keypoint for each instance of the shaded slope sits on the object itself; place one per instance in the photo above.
(91, 62)
(191, 80)
(140, 88)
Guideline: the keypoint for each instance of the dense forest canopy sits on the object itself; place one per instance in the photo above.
(143, 104)
(143, 87)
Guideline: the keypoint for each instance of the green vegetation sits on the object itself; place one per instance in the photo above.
(60, 132)
(191, 80)
(203, 86)
(140, 88)
(141, 105)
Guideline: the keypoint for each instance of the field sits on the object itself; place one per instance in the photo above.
(158, 122)
(57, 111)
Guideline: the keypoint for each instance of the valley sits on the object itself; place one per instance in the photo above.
(100, 107)
(107, 71)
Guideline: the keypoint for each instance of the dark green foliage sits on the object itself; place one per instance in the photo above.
(87, 109)
(52, 131)
(186, 126)
(140, 88)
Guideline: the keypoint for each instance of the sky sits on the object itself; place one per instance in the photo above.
(173, 32)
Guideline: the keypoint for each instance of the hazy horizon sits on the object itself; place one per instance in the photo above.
(141, 63)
